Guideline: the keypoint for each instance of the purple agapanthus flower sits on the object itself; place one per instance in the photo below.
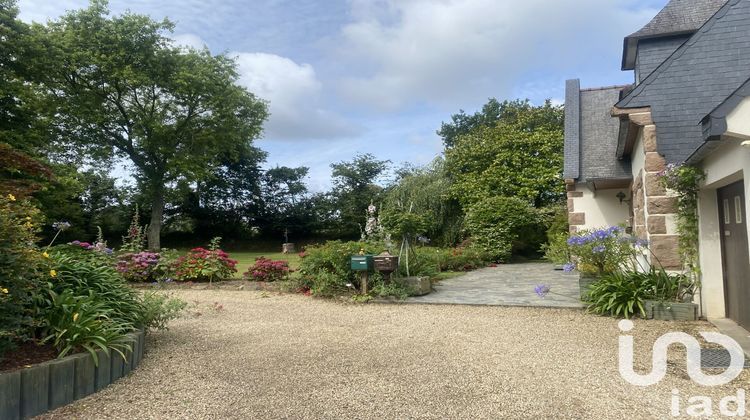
(568, 267)
(642, 243)
(541, 290)
(598, 249)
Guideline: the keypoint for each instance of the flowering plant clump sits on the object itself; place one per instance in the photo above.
(601, 251)
(138, 267)
(267, 270)
(202, 264)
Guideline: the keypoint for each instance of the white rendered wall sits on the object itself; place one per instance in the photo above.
(728, 164)
(602, 207)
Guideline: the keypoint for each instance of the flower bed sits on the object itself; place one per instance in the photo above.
(33, 390)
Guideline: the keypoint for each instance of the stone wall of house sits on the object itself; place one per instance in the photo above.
(654, 208)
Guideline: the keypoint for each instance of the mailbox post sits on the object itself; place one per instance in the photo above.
(363, 264)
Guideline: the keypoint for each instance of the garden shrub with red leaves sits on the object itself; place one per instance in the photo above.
(202, 264)
(267, 270)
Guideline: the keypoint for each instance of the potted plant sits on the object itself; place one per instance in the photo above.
(597, 252)
(670, 296)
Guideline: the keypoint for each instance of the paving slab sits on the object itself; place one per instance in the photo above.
(507, 285)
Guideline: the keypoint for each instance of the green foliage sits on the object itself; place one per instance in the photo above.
(426, 191)
(159, 309)
(685, 180)
(354, 188)
(456, 259)
(23, 270)
(500, 225)
(622, 292)
(326, 268)
(556, 250)
(390, 289)
(96, 276)
(619, 294)
(519, 156)
(83, 321)
(173, 112)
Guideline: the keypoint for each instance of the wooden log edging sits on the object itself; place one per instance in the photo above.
(31, 391)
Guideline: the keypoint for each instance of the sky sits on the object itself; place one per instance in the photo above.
(344, 77)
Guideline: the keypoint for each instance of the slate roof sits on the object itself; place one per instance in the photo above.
(700, 75)
(591, 134)
(677, 17)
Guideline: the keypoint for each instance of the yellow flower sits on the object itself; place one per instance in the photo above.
(52, 273)
(11, 197)
(75, 317)
(4, 291)
(45, 254)
(28, 217)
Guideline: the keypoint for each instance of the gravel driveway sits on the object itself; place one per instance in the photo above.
(254, 355)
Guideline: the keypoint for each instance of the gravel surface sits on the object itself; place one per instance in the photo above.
(248, 354)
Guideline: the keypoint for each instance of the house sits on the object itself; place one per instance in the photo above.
(690, 103)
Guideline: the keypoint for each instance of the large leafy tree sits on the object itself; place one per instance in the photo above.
(521, 155)
(286, 205)
(355, 186)
(426, 191)
(121, 89)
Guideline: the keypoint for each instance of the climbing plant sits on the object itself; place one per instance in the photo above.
(684, 180)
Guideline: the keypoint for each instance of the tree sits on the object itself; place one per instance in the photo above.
(121, 89)
(492, 113)
(286, 207)
(426, 190)
(520, 156)
(354, 188)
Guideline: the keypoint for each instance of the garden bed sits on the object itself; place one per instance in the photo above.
(35, 389)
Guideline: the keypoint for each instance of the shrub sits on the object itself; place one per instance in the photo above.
(202, 264)
(620, 293)
(83, 277)
(159, 309)
(138, 267)
(83, 321)
(602, 251)
(557, 251)
(267, 270)
(501, 226)
(23, 269)
(457, 259)
(326, 268)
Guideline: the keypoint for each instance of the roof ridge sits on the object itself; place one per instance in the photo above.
(606, 87)
(677, 53)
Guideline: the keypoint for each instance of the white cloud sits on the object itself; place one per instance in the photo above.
(444, 51)
(294, 94)
(190, 41)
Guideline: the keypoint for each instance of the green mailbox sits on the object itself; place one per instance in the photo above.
(362, 262)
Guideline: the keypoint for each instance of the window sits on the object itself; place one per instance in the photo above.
(727, 216)
(738, 209)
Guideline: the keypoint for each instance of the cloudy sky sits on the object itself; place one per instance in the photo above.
(378, 76)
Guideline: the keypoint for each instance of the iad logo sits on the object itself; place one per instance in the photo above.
(699, 406)
(659, 357)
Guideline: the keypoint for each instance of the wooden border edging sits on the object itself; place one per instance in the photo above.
(31, 391)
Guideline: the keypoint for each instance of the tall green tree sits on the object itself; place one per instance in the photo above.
(521, 155)
(355, 186)
(426, 190)
(121, 89)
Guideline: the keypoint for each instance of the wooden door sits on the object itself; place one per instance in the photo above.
(734, 252)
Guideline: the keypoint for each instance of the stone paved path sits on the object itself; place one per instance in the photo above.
(507, 285)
